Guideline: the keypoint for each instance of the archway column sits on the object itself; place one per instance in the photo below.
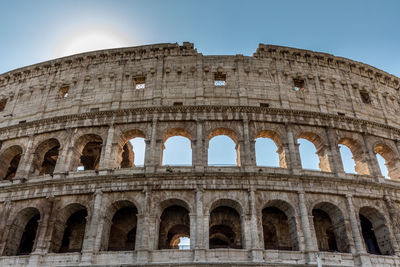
(257, 251)
(394, 219)
(293, 157)
(107, 158)
(199, 248)
(152, 158)
(309, 241)
(361, 255)
(248, 155)
(373, 164)
(198, 156)
(93, 234)
(144, 228)
(5, 214)
(26, 161)
(335, 157)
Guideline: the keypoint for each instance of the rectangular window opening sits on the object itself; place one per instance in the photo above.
(140, 82)
(63, 92)
(298, 84)
(366, 99)
(264, 105)
(178, 103)
(219, 79)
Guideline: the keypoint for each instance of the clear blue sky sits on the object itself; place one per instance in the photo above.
(364, 30)
(33, 31)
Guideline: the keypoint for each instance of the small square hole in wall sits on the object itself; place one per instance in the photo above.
(139, 82)
(3, 103)
(219, 79)
(366, 99)
(298, 84)
(178, 103)
(63, 92)
(264, 105)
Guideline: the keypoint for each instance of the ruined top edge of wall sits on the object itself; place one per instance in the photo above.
(187, 49)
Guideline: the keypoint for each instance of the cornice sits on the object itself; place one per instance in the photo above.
(100, 116)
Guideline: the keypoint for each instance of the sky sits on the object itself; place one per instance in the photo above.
(40, 30)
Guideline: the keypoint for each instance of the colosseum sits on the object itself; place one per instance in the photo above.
(71, 194)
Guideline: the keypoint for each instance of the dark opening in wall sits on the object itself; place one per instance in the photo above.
(139, 82)
(298, 84)
(63, 92)
(366, 99)
(3, 103)
(264, 105)
(178, 103)
(219, 79)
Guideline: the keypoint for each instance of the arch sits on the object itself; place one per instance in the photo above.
(87, 152)
(361, 165)
(375, 232)
(174, 224)
(232, 136)
(274, 136)
(125, 154)
(321, 149)
(120, 226)
(69, 229)
(9, 162)
(45, 157)
(391, 158)
(180, 136)
(21, 238)
(330, 228)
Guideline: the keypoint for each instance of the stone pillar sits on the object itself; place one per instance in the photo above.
(198, 155)
(335, 159)
(26, 161)
(310, 245)
(92, 235)
(3, 224)
(361, 255)
(150, 161)
(199, 248)
(41, 242)
(63, 158)
(374, 168)
(248, 158)
(257, 251)
(293, 157)
(394, 219)
(143, 229)
(206, 233)
(107, 158)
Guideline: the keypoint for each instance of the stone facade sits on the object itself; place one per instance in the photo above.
(82, 110)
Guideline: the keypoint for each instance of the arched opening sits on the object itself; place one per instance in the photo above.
(89, 147)
(324, 231)
(123, 229)
(269, 150)
(9, 162)
(223, 148)
(131, 149)
(276, 229)
(313, 152)
(69, 229)
(45, 157)
(353, 158)
(330, 228)
(375, 232)
(388, 161)
(22, 235)
(225, 227)
(279, 226)
(176, 148)
(174, 225)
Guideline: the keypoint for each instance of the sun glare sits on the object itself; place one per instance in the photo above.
(91, 39)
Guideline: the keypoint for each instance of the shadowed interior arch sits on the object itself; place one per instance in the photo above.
(22, 233)
(45, 157)
(130, 144)
(174, 224)
(9, 162)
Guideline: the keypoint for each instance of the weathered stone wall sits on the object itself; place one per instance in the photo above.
(246, 214)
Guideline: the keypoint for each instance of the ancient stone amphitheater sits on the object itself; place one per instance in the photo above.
(71, 195)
